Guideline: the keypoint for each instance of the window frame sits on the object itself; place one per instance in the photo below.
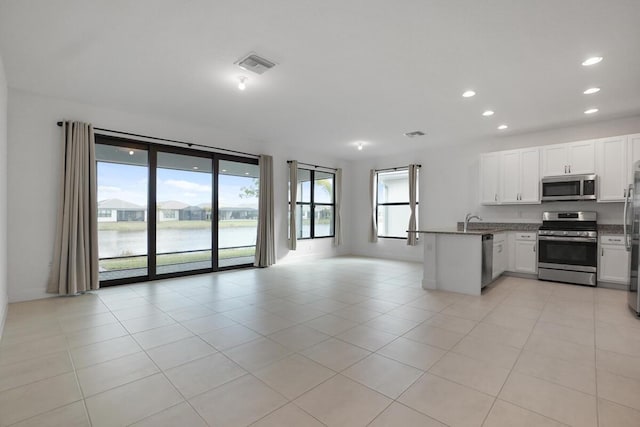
(312, 204)
(407, 203)
(152, 150)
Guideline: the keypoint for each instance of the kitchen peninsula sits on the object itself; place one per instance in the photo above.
(458, 261)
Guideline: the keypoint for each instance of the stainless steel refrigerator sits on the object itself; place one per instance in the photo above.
(631, 221)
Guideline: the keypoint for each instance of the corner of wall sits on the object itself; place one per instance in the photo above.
(3, 197)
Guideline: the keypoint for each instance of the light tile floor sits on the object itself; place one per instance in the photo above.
(342, 342)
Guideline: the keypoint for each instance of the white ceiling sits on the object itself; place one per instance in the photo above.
(347, 70)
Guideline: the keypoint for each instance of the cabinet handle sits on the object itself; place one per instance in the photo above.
(624, 193)
(496, 197)
(534, 248)
(565, 168)
(602, 252)
(569, 168)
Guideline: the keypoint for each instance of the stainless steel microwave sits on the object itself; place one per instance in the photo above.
(569, 187)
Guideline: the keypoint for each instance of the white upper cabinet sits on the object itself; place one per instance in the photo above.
(554, 160)
(510, 176)
(520, 176)
(530, 175)
(611, 167)
(633, 142)
(568, 159)
(582, 157)
(489, 178)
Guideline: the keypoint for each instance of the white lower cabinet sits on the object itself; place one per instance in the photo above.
(499, 254)
(523, 252)
(613, 262)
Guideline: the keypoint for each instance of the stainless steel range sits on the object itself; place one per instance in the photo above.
(568, 247)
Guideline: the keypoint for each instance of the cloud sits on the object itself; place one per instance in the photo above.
(109, 189)
(188, 186)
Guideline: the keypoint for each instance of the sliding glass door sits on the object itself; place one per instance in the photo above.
(238, 189)
(165, 212)
(184, 191)
(122, 210)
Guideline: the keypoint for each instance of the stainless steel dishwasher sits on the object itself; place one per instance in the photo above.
(487, 259)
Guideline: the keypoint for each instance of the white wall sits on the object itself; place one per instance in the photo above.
(34, 153)
(449, 185)
(3, 196)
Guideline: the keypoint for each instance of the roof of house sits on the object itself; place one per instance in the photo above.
(119, 204)
(172, 204)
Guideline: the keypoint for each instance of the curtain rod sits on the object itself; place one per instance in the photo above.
(190, 144)
(315, 166)
(394, 169)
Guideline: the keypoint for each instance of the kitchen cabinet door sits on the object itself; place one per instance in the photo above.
(510, 176)
(633, 154)
(530, 175)
(611, 168)
(499, 254)
(555, 160)
(614, 264)
(582, 157)
(526, 256)
(489, 178)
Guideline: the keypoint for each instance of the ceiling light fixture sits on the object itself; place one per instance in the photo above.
(224, 170)
(488, 113)
(468, 94)
(592, 61)
(246, 173)
(131, 152)
(591, 111)
(502, 127)
(360, 146)
(591, 90)
(195, 168)
(242, 82)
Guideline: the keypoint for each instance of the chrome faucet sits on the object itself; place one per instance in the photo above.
(468, 218)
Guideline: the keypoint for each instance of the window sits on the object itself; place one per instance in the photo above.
(169, 211)
(315, 205)
(392, 203)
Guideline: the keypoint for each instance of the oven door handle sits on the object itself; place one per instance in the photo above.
(569, 239)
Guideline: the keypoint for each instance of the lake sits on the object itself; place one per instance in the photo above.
(114, 243)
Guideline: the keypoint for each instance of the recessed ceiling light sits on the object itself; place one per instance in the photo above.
(131, 152)
(224, 170)
(246, 173)
(591, 111)
(488, 113)
(360, 146)
(502, 127)
(468, 94)
(591, 90)
(195, 168)
(242, 82)
(592, 61)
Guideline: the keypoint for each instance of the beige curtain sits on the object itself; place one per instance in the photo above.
(337, 232)
(75, 255)
(293, 198)
(412, 238)
(373, 235)
(265, 242)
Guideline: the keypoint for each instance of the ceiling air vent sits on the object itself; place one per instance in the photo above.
(255, 63)
(414, 134)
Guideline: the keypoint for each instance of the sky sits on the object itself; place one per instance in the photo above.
(129, 183)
